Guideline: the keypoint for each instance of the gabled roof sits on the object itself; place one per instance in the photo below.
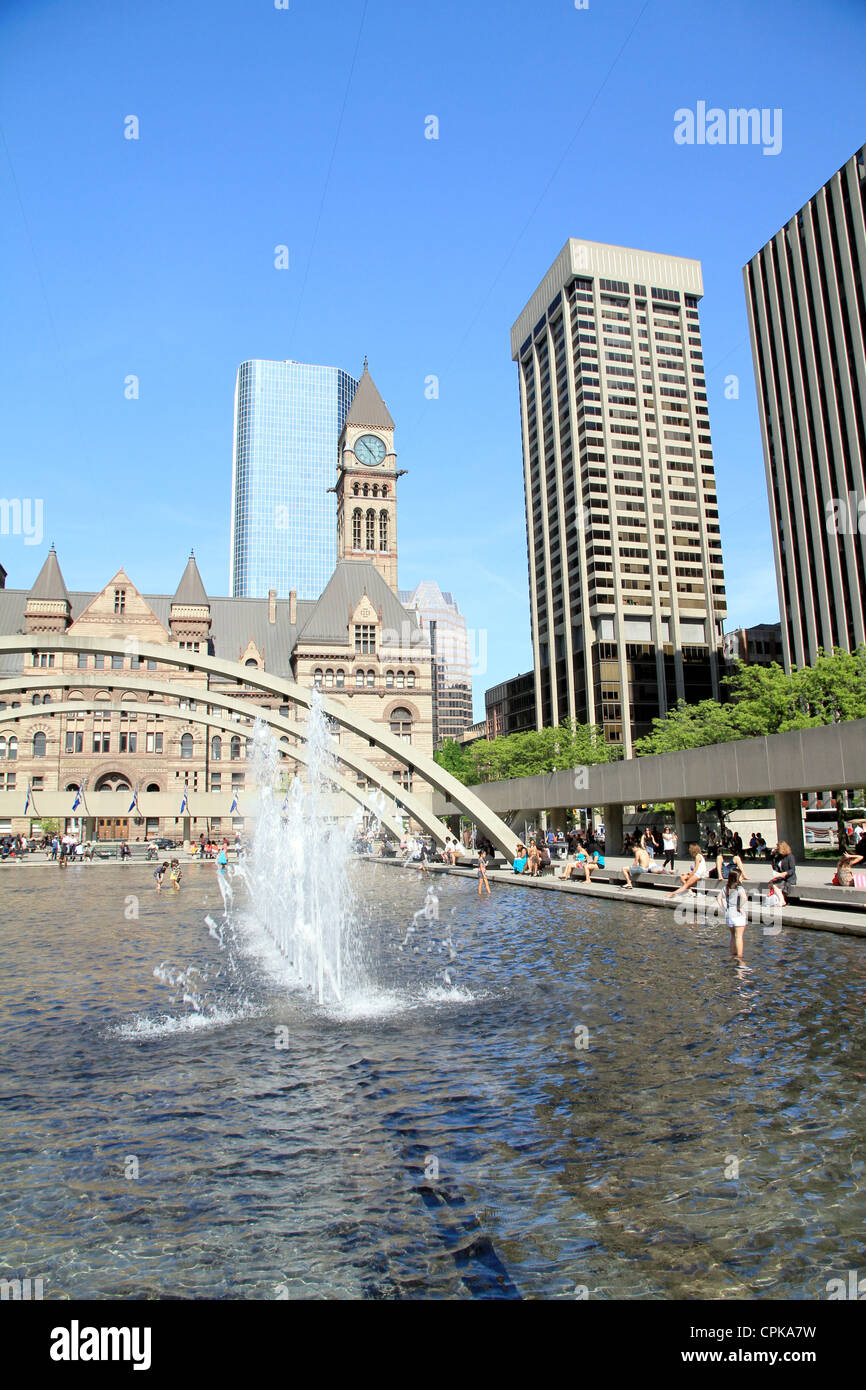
(49, 581)
(367, 407)
(191, 590)
(351, 580)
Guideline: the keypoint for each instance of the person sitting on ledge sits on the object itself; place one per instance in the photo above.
(519, 864)
(844, 875)
(641, 865)
(725, 863)
(696, 874)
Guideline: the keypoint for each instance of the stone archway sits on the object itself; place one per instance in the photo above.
(425, 767)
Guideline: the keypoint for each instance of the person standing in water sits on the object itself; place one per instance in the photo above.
(159, 875)
(736, 904)
(175, 876)
(483, 881)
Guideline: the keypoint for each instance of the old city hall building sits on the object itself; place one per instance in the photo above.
(356, 642)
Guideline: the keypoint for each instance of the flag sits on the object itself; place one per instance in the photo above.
(27, 802)
(234, 805)
(77, 802)
(285, 802)
(134, 802)
(183, 804)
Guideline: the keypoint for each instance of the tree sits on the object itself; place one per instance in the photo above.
(452, 757)
(764, 700)
(568, 745)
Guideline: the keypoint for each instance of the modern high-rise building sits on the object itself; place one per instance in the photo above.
(627, 591)
(288, 419)
(442, 620)
(806, 295)
(510, 706)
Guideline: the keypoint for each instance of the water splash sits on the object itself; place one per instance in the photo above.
(297, 870)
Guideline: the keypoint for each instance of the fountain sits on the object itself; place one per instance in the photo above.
(297, 868)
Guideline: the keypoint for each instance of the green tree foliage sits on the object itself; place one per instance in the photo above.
(522, 755)
(764, 700)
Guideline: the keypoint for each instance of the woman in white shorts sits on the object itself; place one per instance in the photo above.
(736, 904)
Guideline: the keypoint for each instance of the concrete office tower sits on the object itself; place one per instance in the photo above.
(442, 620)
(627, 593)
(807, 313)
(288, 419)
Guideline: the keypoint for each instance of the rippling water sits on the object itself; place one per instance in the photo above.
(443, 1136)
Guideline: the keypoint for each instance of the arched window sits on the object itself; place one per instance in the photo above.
(383, 530)
(2, 748)
(39, 745)
(341, 678)
(410, 679)
(356, 489)
(235, 748)
(72, 786)
(151, 786)
(317, 678)
(186, 745)
(13, 747)
(371, 529)
(216, 748)
(329, 679)
(389, 680)
(366, 489)
(46, 699)
(375, 489)
(37, 700)
(384, 489)
(356, 528)
(251, 661)
(359, 680)
(401, 679)
(401, 723)
(371, 678)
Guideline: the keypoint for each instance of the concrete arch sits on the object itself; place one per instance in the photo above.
(289, 691)
(388, 817)
(171, 710)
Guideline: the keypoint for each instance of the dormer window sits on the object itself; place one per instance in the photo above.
(120, 600)
(365, 637)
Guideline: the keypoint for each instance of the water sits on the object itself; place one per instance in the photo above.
(438, 1137)
(300, 907)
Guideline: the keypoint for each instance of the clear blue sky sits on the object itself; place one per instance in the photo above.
(305, 127)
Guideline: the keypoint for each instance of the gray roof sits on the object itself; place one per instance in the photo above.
(367, 407)
(233, 622)
(49, 581)
(190, 590)
(329, 620)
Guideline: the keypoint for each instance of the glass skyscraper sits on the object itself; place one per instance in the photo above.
(288, 418)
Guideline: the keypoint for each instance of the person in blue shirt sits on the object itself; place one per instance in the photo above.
(519, 863)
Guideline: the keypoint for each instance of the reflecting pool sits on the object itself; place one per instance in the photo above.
(534, 1096)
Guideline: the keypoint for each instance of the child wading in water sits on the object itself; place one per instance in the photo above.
(736, 905)
(483, 881)
(159, 875)
(175, 875)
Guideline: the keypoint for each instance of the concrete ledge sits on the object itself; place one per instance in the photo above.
(816, 919)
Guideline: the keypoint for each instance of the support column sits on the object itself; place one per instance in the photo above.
(789, 822)
(686, 816)
(612, 829)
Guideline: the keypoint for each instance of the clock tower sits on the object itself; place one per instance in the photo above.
(367, 483)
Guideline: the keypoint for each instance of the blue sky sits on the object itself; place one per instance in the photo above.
(305, 127)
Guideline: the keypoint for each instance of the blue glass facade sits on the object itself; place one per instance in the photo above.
(288, 418)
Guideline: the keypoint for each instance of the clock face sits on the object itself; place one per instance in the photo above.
(369, 450)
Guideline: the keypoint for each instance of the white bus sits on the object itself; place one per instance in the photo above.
(822, 828)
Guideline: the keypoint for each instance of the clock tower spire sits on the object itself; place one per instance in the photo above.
(367, 483)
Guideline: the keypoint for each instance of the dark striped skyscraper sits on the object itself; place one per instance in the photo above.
(626, 586)
(807, 313)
